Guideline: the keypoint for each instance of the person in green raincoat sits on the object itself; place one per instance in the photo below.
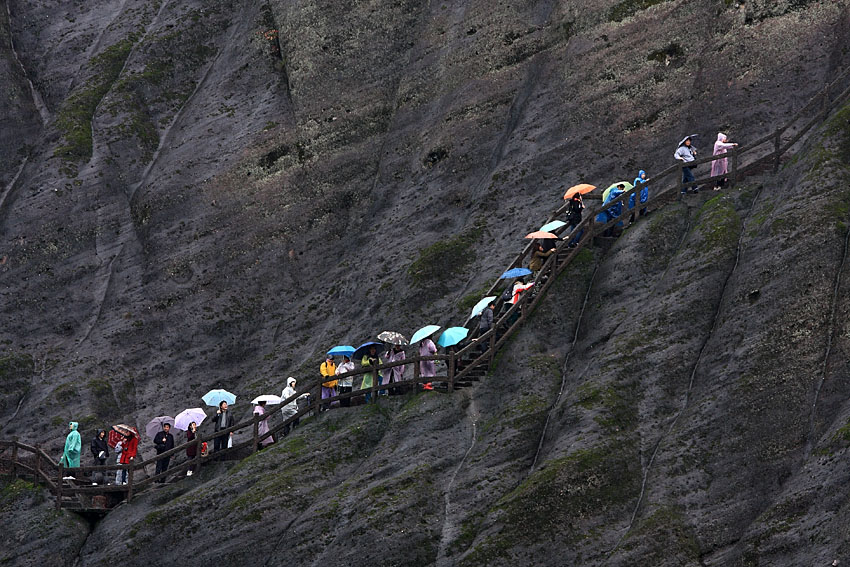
(370, 359)
(73, 444)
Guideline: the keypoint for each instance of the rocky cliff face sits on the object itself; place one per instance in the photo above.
(198, 195)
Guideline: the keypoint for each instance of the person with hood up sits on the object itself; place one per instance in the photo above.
(485, 323)
(100, 452)
(427, 368)
(71, 454)
(721, 166)
(191, 448)
(345, 384)
(328, 370)
(612, 212)
(396, 373)
(291, 408)
(128, 454)
(370, 359)
(163, 441)
(643, 194)
(263, 426)
(539, 257)
(574, 214)
(686, 153)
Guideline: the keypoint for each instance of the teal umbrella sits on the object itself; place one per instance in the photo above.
(424, 333)
(452, 336)
(215, 397)
(552, 226)
(479, 307)
(342, 350)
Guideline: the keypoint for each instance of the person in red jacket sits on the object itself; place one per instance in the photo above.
(128, 455)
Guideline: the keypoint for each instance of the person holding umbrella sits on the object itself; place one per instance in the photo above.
(328, 370)
(485, 323)
(263, 426)
(192, 448)
(574, 214)
(345, 384)
(223, 420)
(686, 153)
(370, 359)
(396, 373)
(71, 453)
(100, 452)
(163, 441)
(130, 448)
(427, 368)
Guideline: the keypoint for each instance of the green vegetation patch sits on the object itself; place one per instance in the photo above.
(618, 406)
(442, 261)
(563, 499)
(17, 490)
(628, 8)
(75, 116)
(667, 535)
(719, 225)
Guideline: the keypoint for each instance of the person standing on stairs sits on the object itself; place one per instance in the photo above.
(396, 373)
(427, 368)
(538, 258)
(574, 213)
(328, 370)
(128, 454)
(369, 361)
(485, 323)
(640, 180)
(721, 166)
(686, 153)
(192, 448)
(119, 447)
(263, 426)
(345, 384)
(164, 441)
(222, 420)
(100, 452)
(71, 453)
(291, 408)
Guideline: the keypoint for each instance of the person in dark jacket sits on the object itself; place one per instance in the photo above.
(100, 452)
(574, 213)
(538, 258)
(192, 448)
(223, 419)
(485, 323)
(163, 442)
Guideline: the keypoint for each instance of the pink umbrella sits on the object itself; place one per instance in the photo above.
(187, 416)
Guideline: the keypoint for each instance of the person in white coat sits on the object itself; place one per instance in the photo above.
(291, 408)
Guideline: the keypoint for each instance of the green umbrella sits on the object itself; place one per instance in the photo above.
(626, 187)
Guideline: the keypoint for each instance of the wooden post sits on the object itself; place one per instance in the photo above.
(59, 486)
(451, 371)
(415, 374)
(198, 442)
(130, 481)
(734, 176)
(777, 143)
(256, 433)
(376, 381)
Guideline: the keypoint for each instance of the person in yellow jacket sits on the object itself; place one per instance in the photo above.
(370, 359)
(328, 370)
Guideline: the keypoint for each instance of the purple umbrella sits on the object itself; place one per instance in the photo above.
(154, 426)
(187, 416)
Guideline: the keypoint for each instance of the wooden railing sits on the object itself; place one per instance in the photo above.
(461, 360)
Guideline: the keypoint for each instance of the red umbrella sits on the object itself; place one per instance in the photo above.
(117, 433)
(581, 188)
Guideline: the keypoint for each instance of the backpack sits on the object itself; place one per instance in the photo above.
(507, 295)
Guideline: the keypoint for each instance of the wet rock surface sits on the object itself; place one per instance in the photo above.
(204, 195)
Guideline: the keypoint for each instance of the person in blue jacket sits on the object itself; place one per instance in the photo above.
(612, 212)
(643, 193)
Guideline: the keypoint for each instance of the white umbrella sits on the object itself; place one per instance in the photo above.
(268, 398)
(479, 307)
(187, 416)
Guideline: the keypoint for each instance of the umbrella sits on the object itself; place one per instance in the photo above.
(117, 432)
(342, 350)
(554, 225)
(581, 189)
(187, 416)
(392, 338)
(364, 348)
(626, 187)
(682, 143)
(515, 273)
(215, 397)
(424, 332)
(268, 398)
(154, 426)
(479, 307)
(452, 336)
(541, 234)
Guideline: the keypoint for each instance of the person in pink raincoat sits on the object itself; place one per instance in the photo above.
(721, 166)
(263, 426)
(427, 368)
(396, 373)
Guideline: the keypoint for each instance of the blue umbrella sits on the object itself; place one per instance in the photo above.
(342, 350)
(215, 397)
(479, 307)
(452, 336)
(424, 332)
(552, 226)
(364, 348)
(515, 273)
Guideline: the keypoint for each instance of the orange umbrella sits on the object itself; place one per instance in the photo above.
(580, 188)
(541, 234)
